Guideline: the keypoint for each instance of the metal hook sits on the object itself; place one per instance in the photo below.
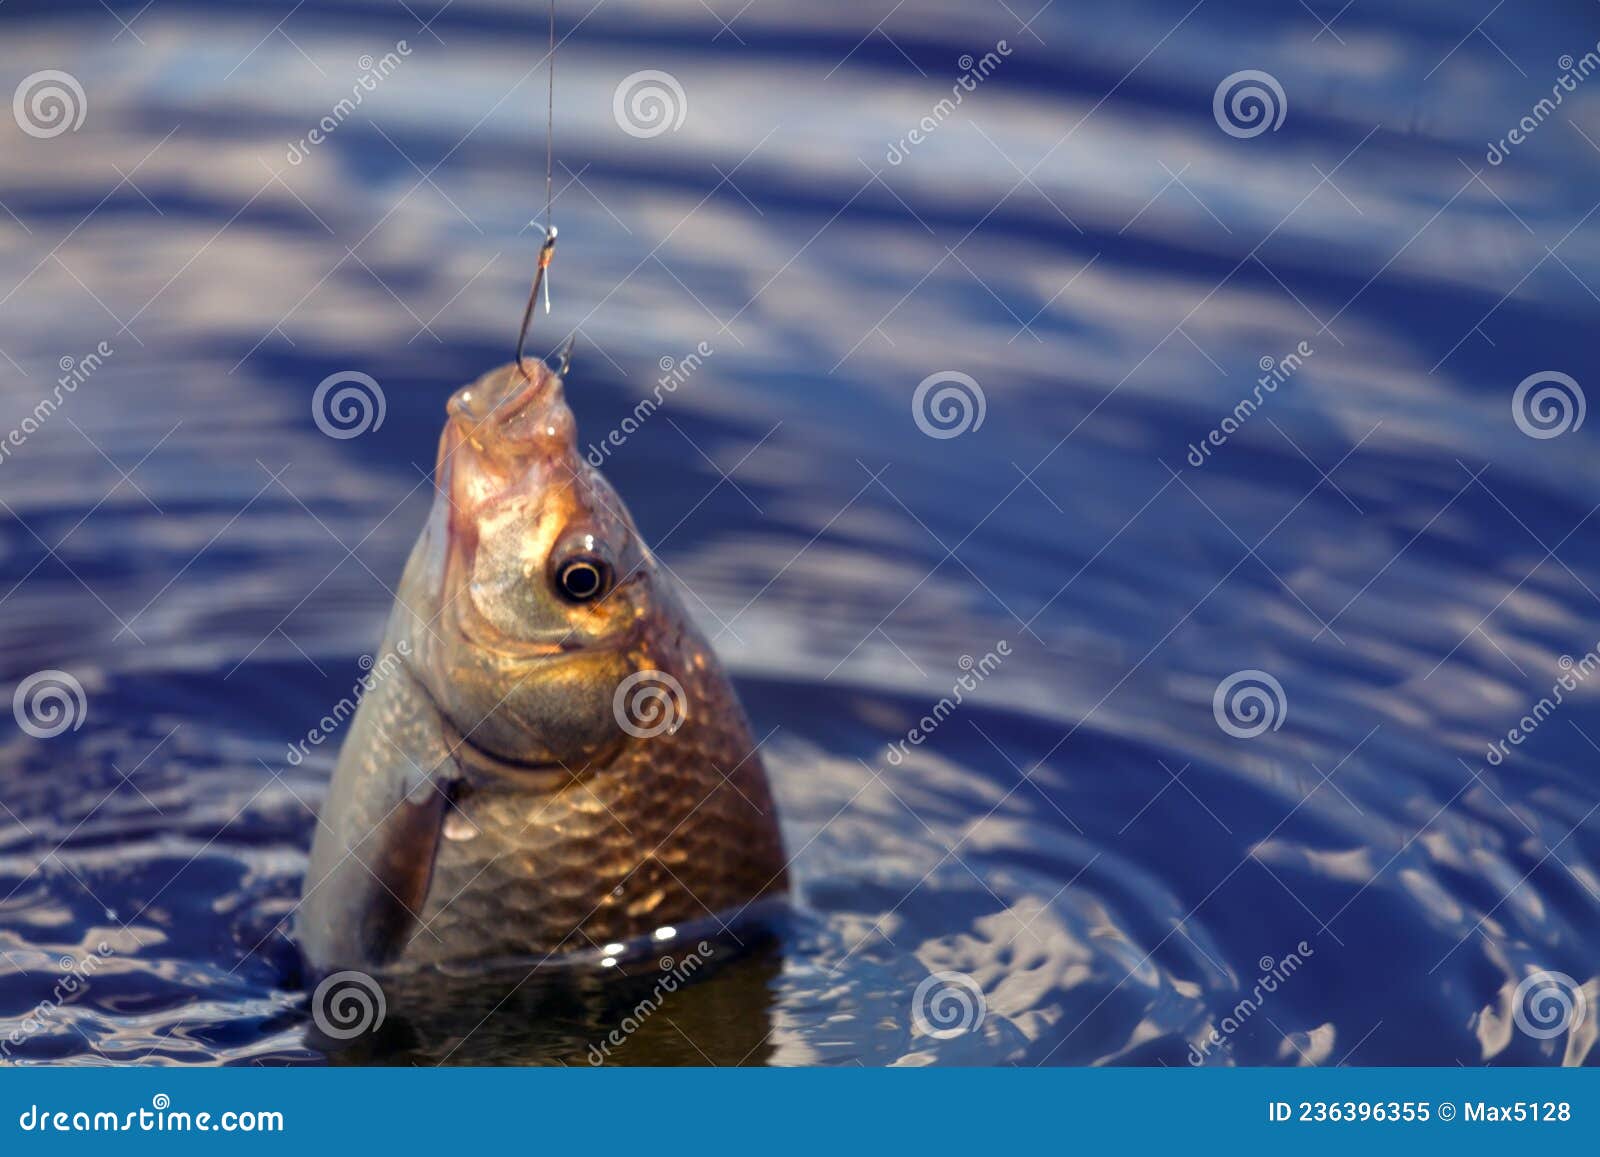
(546, 252)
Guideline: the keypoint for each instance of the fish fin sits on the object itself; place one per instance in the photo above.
(401, 855)
(373, 857)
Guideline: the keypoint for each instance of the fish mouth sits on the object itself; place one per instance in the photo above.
(511, 415)
(497, 397)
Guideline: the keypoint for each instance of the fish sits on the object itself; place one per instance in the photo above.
(550, 759)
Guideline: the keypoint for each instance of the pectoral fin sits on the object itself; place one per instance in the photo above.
(399, 856)
(379, 832)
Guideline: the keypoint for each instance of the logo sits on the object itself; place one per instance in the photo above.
(650, 703)
(1547, 1004)
(47, 703)
(649, 103)
(1248, 103)
(948, 404)
(347, 1005)
(348, 404)
(1547, 404)
(947, 1004)
(1247, 703)
(49, 103)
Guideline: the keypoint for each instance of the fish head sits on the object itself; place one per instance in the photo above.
(529, 593)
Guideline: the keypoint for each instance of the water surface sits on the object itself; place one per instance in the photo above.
(1080, 838)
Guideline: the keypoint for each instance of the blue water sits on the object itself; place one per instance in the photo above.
(1116, 874)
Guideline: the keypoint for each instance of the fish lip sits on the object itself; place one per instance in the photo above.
(507, 391)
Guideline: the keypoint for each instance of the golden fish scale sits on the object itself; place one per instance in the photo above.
(661, 835)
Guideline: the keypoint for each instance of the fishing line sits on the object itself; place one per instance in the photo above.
(550, 131)
(548, 249)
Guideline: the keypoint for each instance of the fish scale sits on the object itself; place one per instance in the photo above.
(650, 840)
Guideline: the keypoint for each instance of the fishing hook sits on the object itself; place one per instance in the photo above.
(546, 252)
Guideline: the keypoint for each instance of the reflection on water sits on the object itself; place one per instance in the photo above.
(1097, 869)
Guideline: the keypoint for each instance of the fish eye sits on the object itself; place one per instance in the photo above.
(583, 578)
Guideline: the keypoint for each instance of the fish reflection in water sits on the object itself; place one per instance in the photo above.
(651, 1010)
(1078, 863)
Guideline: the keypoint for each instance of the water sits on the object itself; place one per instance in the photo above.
(1115, 873)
